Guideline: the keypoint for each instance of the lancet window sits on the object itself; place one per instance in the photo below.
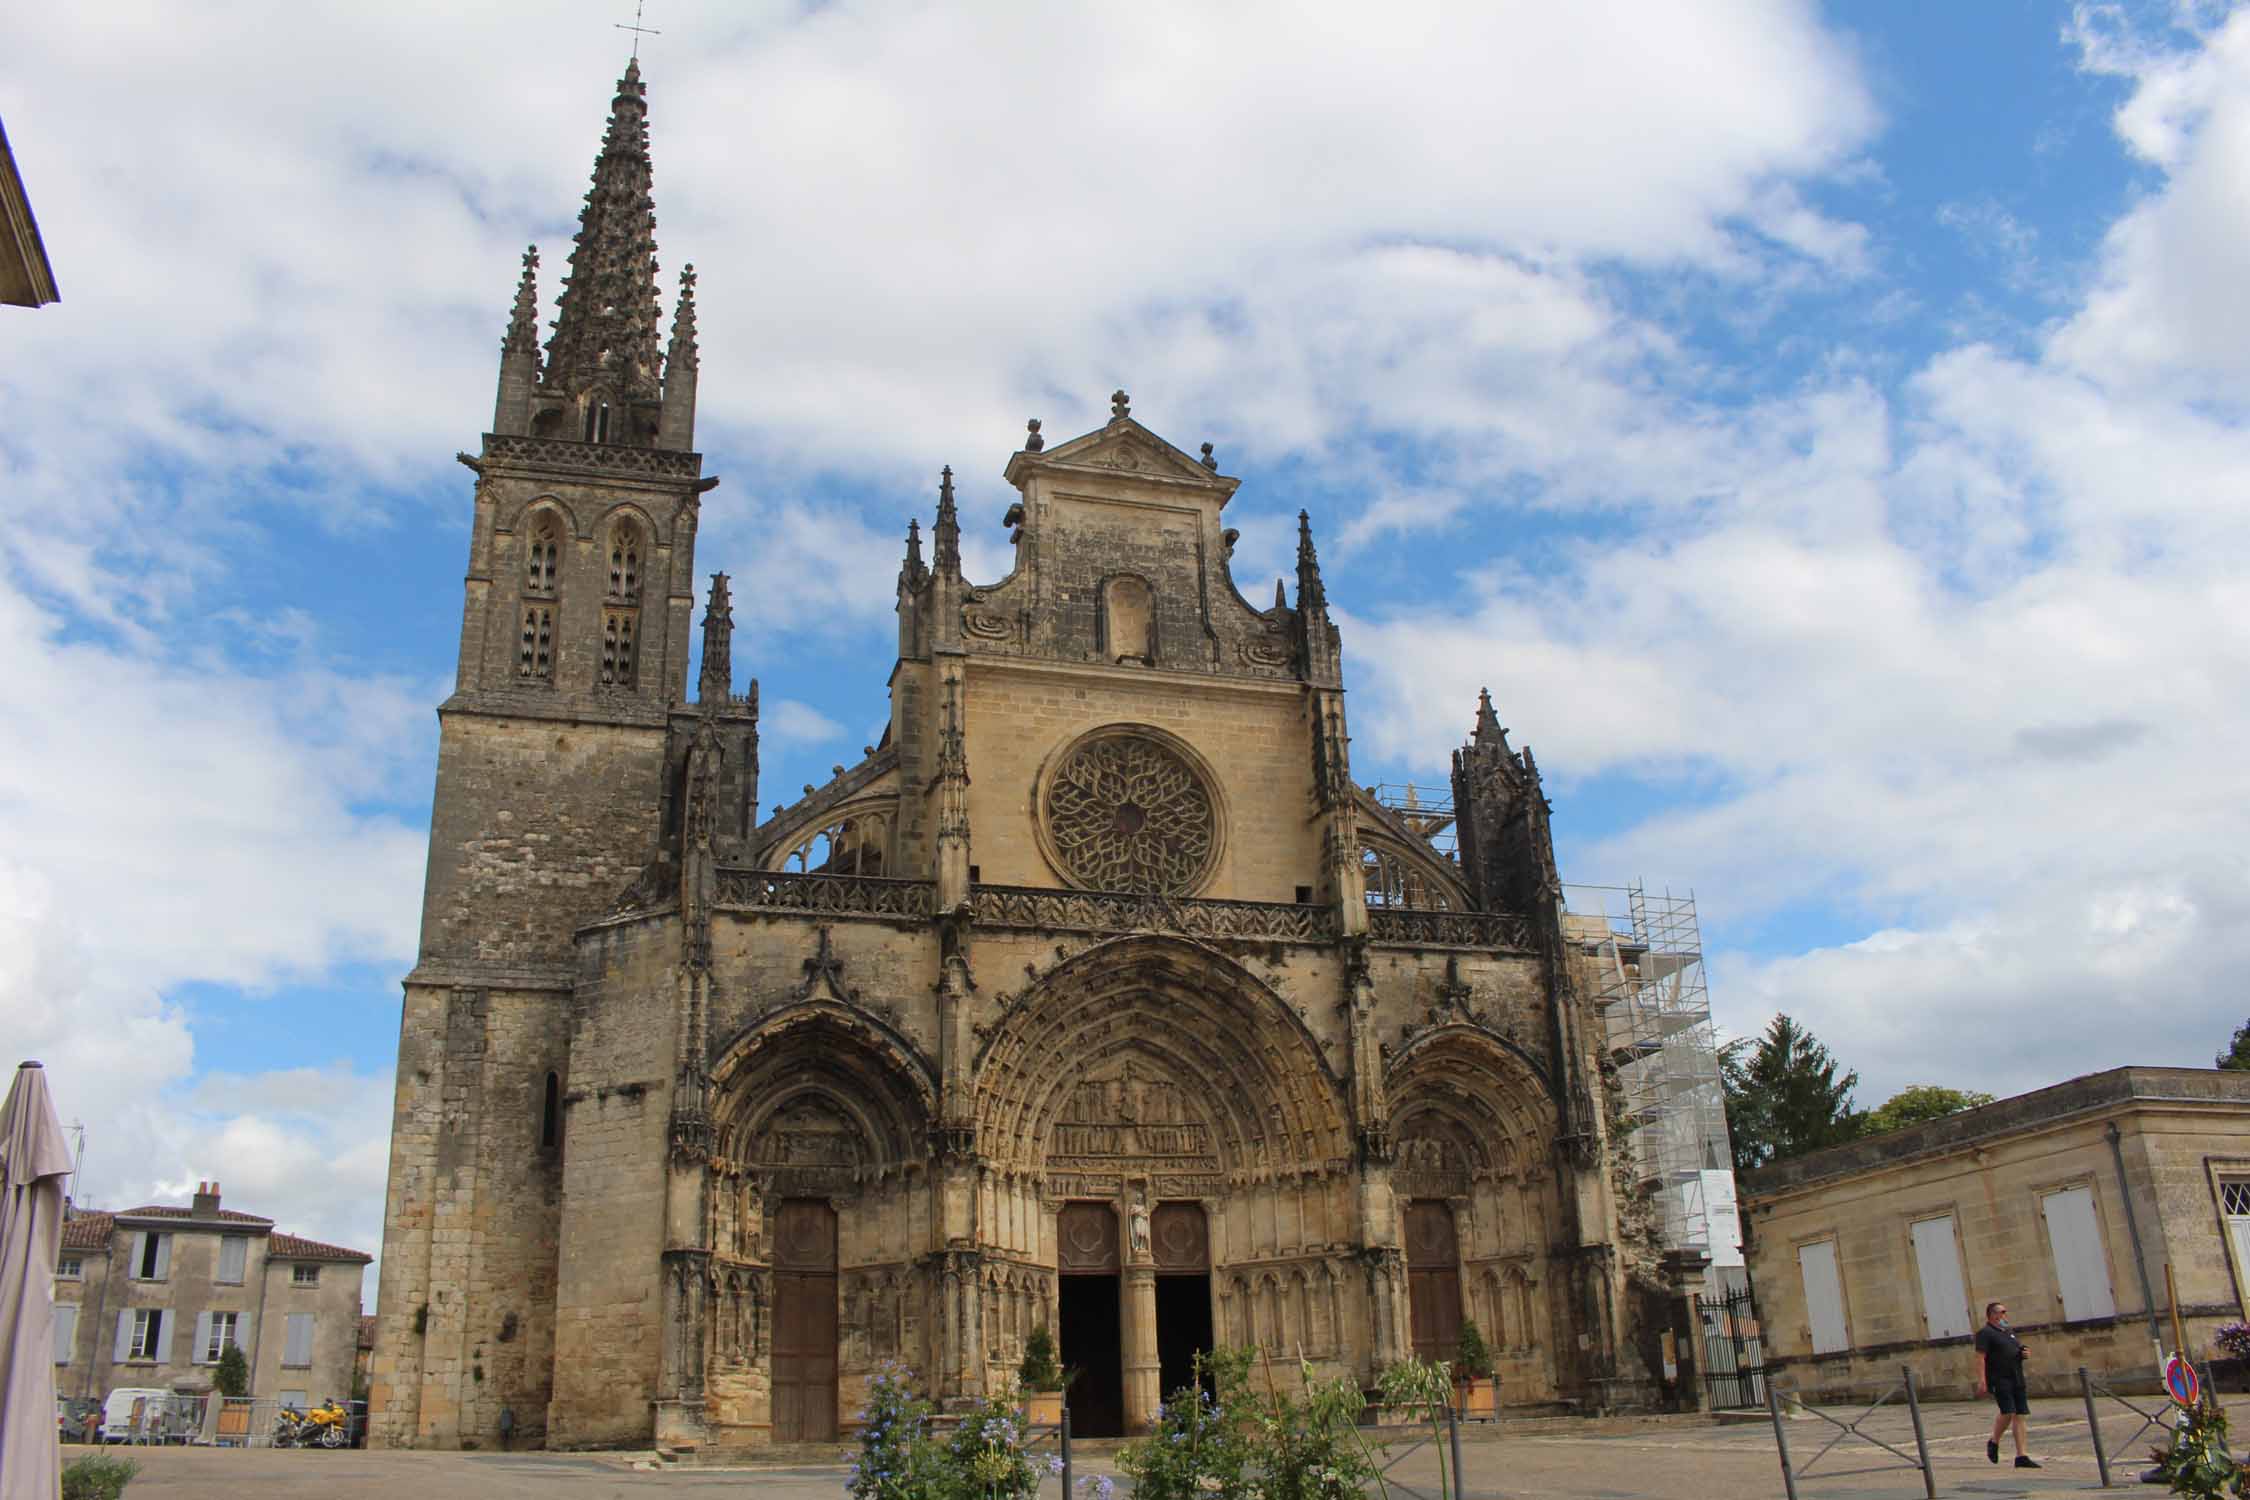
(621, 607)
(542, 572)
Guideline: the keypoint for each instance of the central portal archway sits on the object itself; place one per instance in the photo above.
(1155, 1084)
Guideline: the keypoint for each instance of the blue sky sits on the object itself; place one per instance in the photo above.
(1822, 427)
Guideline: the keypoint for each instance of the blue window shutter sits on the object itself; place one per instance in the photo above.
(124, 1349)
(202, 1343)
(164, 1337)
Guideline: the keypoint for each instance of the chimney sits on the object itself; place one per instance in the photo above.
(206, 1199)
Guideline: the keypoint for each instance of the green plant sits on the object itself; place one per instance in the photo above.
(896, 1459)
(2198, 1463)
(984, 1459)
(1310, 1446)
(1472, 1357)
(232, 1376)
(1424, 1386)
(1199, 1448)
(99, 1477)
(1040, 1370)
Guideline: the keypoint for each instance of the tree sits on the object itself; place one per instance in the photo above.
(1783, 1096)
(2237, 1056)
(232, 1377)
(1918, 1102)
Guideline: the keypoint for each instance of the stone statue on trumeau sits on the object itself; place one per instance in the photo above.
(1138, 1223)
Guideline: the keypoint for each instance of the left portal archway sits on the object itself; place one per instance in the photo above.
(822, 1122)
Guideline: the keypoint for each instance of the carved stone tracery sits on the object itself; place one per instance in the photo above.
(1122, 810)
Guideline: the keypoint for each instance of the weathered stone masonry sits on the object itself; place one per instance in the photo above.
(1069, 1005)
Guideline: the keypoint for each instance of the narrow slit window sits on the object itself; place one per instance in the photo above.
(550, 1118)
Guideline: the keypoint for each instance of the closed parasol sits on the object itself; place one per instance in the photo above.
(34, 1160)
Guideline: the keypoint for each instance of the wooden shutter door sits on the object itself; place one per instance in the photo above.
(804, 1323)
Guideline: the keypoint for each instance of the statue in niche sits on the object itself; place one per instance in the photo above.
(1137, 1222)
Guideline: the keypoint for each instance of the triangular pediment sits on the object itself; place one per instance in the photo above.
(1124, 446)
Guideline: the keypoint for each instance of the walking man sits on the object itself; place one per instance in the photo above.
(1999, 1355)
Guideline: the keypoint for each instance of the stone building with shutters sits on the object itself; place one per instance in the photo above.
(1097, 995)
(2067, 1205)
(152, 1296)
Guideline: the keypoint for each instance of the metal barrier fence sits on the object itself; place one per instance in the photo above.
(1918, 1459)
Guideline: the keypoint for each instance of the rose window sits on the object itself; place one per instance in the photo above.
(1125, 812)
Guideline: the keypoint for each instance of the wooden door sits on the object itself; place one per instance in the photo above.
(1433, 1278)
(804, 1323)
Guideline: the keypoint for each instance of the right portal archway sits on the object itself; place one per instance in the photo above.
(1477, 1193)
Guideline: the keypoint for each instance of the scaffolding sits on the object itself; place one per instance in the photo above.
(1647, 953)
(1427, 812)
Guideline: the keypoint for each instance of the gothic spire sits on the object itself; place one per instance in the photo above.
(683, 353)
(523, 322)
(1312, 595)
(911, 573)
(1489, 730)
(607, 318)
(945, 536)
(716, 681)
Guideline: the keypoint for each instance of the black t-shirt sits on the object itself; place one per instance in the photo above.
(2003, 1353)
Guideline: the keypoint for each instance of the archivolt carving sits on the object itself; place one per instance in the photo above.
(1128, 809)
(815, 1102)
(1460, 1099)
(1197, 1061)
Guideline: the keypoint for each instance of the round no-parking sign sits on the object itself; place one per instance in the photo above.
(2180, 1381)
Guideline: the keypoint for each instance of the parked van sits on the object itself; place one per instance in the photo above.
(127, 1402)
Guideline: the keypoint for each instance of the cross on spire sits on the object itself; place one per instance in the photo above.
(636, 28)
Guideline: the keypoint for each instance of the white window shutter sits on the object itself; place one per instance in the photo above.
(133, 1256)
(163, 1256)
(124, 1349)
(66, 1331)
(2074, 1239)
(202, 1344)
(1945, 1303)
(1824, 1296)
(242, 1332)
(164, 1332)
(298, 1350)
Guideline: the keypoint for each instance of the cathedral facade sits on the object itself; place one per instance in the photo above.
(1097, 996)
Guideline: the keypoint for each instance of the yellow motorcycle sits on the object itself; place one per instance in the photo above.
(328, 1425)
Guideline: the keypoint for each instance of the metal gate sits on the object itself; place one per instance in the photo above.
(1734, 1351)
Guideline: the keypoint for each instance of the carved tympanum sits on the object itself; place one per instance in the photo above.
(1127, 812)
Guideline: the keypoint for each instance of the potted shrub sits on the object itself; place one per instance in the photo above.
(1042, 1378)
(1477, 1394)
(2231, 1365)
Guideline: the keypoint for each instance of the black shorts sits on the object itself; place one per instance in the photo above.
(2009, 1396)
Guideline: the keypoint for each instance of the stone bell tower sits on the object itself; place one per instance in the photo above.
(551, 785)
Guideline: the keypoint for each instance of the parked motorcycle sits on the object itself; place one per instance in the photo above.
(325, 1426)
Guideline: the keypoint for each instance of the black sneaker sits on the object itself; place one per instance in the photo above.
(2026, 1461)
(1992, 1451)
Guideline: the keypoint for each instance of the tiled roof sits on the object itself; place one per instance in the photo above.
(291, 1247)
(158, 1211)
(87, 1232)
(367, 1331)
(91, 1231)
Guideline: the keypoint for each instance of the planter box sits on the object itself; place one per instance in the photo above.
(1477, 1400)
(1042, 1408)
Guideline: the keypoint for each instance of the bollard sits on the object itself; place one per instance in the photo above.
(2094, 1424)
(1780, 1438)
(1065, 1445)
(1921, 1443)
(1453, 1432)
